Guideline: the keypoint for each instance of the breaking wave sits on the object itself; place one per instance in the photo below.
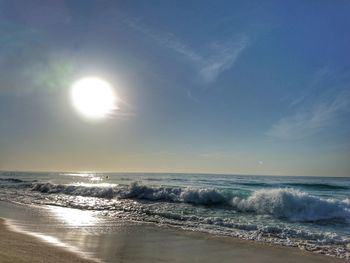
(138, 191)
(283, 203)
(293, 205)
(81, 190)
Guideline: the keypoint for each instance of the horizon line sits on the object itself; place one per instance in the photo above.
(189, 173)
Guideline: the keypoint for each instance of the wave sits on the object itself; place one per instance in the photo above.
(293, 205)
(12, 180)
(283, 203)
(253, 184)
(80, 190)
(201, 196)
(318, 186)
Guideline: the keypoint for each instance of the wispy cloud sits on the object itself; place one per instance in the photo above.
(190, 96)
(324, 101)
(218, 58)
(308, 122)
(314, 83)
(223, 59)
(168, 40)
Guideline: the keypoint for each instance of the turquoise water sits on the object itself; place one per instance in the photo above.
(310, 212)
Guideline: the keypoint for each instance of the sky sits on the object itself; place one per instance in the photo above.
(237, 87)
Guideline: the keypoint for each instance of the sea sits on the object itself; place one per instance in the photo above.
(312, 213)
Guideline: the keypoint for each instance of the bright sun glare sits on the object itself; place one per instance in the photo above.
(93, 97)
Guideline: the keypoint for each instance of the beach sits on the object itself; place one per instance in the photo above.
(18, 247)
(174, 131)
(175, 218)
(145, 243)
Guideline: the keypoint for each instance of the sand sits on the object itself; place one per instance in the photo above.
(148, 243)
(17, 248)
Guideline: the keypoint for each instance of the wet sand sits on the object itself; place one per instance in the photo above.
(17, 248)
(148, 243)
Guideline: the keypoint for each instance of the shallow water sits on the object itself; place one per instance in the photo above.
(309, 212)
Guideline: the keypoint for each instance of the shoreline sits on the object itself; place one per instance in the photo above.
(17, 246)
(151, 243)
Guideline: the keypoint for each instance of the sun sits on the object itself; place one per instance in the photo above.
(93, 97)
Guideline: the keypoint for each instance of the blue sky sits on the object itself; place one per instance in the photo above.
(242, 87)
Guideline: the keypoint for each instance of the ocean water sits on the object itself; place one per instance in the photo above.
(312, 213)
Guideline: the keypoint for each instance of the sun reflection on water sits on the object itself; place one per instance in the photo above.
(74, 217)
(81, 174)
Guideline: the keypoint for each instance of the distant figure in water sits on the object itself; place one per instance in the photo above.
(107, 177)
